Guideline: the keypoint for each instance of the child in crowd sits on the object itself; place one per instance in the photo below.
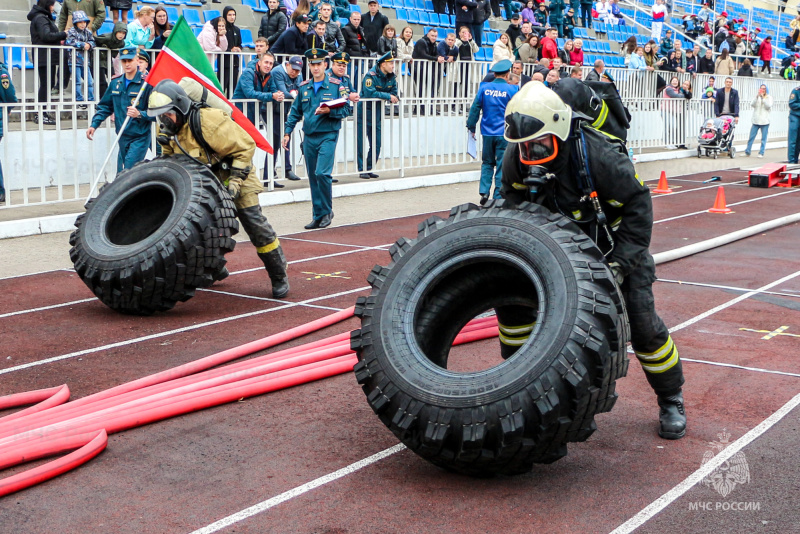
(80, 37)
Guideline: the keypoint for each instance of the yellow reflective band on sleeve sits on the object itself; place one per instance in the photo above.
(666, 366)
(269, 248)
(601, 119)
(658, 354)
(616, 223)
(641, 182)
(522, 187)
(516, 330)
(615, 203)
(610, 136)
(577, 215)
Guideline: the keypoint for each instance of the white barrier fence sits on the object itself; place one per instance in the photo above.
(46, 164)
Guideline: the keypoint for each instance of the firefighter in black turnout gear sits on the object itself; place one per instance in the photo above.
(212, 138)
(569, 162)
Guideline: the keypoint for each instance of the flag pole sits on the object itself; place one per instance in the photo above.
(116, 141)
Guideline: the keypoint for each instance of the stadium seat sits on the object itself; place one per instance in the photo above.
(402, 14)
(413, 17)
(210, 14)
(606, 47)
(173, 15)
(420, 5)
(255, 5)
(197, 31)
(355, 7)
(444, 20)
(2, 36)
(17, 58)
(429, 5)
(107, 27)
(192, 17)
(247, 38)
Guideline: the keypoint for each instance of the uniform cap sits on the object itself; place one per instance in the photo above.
(502, 66)
(314, 55)
(385, 57)
(296, 63)
(372, 2)
(340, 57)
(724, 13)
(144, 55)
(129, 52)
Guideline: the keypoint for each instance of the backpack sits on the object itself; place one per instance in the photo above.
(599, 102)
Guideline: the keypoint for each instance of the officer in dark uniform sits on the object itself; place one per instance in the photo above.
(321, 125)
(118, 99)
(380, 82)
(338, 70)
(559, 160)
(794, 125)
(7, 96)
(491, 100)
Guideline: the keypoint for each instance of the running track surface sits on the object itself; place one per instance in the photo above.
(187, 473)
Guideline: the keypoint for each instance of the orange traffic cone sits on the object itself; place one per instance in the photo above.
(719, 203)
(663, 186)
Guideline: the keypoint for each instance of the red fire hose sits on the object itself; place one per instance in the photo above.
(51, 427)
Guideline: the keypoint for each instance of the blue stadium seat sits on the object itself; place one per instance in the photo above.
(107, 27)
(210, 14)
(402, 14)
(444, 20)
(247, 38)
(355, 7)
(173, 15)
(255, 5)
(429, 5)
(192, 17)
(606, 47)
(601, 27)
(2, 36)
(413, 17)
(17, 58)
(486, 26)
(197, 31)
(193, 4)
(560, 42)
(491, 38)
(420, 5)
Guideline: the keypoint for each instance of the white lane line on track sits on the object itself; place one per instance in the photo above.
(32, 274)
(689, 482)
(269, 503)
(43, 308)
(730, 303)
(175, 331)
(299, 490)
(731, 288)
(729, 205)
(346, 252)
(266, 299)
(742, 367)
(322, 242)
(691, 190)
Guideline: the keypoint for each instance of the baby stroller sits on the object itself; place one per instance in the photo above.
(716, 135)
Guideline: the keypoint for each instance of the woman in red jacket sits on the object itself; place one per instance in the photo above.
(765, 53)
(576, 54)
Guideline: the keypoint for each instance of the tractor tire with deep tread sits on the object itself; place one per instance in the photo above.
(523, 411)
(154, 235)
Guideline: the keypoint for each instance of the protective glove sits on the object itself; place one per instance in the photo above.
(616, 271)
(236, 180)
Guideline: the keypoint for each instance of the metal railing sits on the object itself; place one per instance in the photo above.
(47, 164)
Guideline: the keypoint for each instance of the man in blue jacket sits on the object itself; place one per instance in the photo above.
(286, 79)
(727, 100)
(321, 125)
(118, 99)
(491, 100)
(794, 124)
(254, 85)
(293, 40)
(7, 96)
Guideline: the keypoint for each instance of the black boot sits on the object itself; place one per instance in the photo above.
(275, 262)
(672, 416)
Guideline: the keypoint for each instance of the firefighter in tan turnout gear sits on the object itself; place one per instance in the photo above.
(572, 165)
(211, 137)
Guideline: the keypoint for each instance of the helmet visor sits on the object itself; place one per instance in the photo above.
(520, 126)
(538, 151)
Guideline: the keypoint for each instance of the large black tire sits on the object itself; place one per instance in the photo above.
(154, 235)
(523, 411)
